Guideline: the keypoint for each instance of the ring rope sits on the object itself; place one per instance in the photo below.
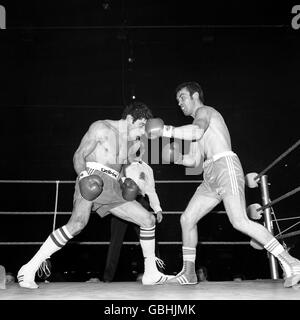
(285, 219)
(276, 221)
(286, 195)
(69, 212)
(281, 234)
(17, 243)
(35, 181)
(290, 227)
(290, 234)
(294, 146)
(73, 181)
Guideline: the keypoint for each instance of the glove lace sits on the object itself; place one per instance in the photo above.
(160, 263)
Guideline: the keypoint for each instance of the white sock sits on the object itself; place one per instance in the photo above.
(189, 258)
(56, 240)
(147, 241)
(189, 254)
(274, 247)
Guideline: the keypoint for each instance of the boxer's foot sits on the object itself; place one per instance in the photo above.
(155, 278)
(184, 279)
(26, 278)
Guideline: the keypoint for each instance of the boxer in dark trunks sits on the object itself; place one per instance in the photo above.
(98, 162)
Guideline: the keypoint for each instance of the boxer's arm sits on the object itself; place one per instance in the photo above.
(87, 145)
(196, 130)
(156, 128)
(171, 154)
(188, 132)
(194, 157)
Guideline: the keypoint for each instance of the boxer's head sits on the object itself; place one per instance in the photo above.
(136, 114)
(188, 96)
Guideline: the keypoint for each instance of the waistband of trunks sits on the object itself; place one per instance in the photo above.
(217, 157)
(102, 168)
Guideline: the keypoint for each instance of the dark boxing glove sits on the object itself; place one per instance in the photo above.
(129, 189)
(90, 186)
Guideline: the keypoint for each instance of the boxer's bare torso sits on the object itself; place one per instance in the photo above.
(107, 142)
(216, 138)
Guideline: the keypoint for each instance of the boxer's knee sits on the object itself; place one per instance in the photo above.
(75, 226)
(80, 216)
(148, 221)
(240, 224)
(186, 221)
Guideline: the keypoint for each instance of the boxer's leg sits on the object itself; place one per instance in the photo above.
(55, 241)
(134, 212)
(201, 203)
(231, 180)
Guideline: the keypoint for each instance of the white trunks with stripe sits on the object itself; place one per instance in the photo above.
(102, 168)
(222, 176)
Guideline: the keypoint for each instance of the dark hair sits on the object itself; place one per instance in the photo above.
(192, 87)
(138, 110)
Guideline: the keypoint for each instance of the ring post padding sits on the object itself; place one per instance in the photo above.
(254, 211)
(251, 180)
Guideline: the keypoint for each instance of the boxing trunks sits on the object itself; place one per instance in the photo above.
(111, 195)
(222, 176)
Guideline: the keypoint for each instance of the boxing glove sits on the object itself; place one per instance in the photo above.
(171, 153)
(129, 189)
(90, 186)
(155, 128)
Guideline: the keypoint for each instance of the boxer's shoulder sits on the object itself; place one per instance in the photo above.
(102, 126)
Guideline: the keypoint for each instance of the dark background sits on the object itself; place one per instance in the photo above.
(65, 64)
